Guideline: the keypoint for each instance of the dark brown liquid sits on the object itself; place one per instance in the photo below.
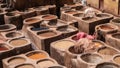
(107, 65)
(30, 21)
(102, 15)
(106, 27)
(72, 50)
(55, 67)
(116, 36)
(49, 17)
(3, 27)
(37, 56)
(1, 11)
(11, 14)
(12, 34)
(116, 20)
(47, 34)
(79, 15)
(88, 18)
(71, 12)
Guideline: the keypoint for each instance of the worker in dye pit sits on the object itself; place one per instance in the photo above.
(89, 12)
(80, 1)
(83, 2)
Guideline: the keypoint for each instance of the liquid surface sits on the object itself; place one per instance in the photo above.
(32, 20)
(92, 58)
(102, 15)
(3, 27)
(107, 51)
(26, 66)
(117, 60)
(49, 17)
(106, 27)
(36, 56)
(55, 67)
(116, 36)
(107, 66)
(64, 44)
(2, 47)
(18, 42)
(13, 34)
(47, 34)
(16, 61)
(71, 12)
(65, 29)
(46, 63)
(79, 15)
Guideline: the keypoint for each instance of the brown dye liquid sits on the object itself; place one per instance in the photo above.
(88, 18)
(64, 44)
(71, 12)
(46, 63)
(17, 60)
(36, 56)
(55, 67)
(107, 66)
(11, 14)
(79, 15)
(102, 15)
(116, 20)
(116, 36)
(65, 29)
(1, 11)
(117, 60)
(2, 47)
(47, 34)
(49, 17)
(3, 27)
(25, 66)
(18, 42)
(107, 51)
(32, 20)
(106, 27)
(12, 34)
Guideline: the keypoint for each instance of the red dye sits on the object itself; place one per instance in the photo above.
(2, 48)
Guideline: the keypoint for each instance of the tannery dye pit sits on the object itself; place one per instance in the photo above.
(13, 34)
(44, 62)
(63, 44)
(16, 60)
(107, 51)
(107, 65)
(18, 42)
(3, 47)
(106, 27)
(37, 56)
(92, 58)
(25, 66)
(47, 34)
(60, 34)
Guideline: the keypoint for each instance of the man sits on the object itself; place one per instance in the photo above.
(89, 12)
(83, 2)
